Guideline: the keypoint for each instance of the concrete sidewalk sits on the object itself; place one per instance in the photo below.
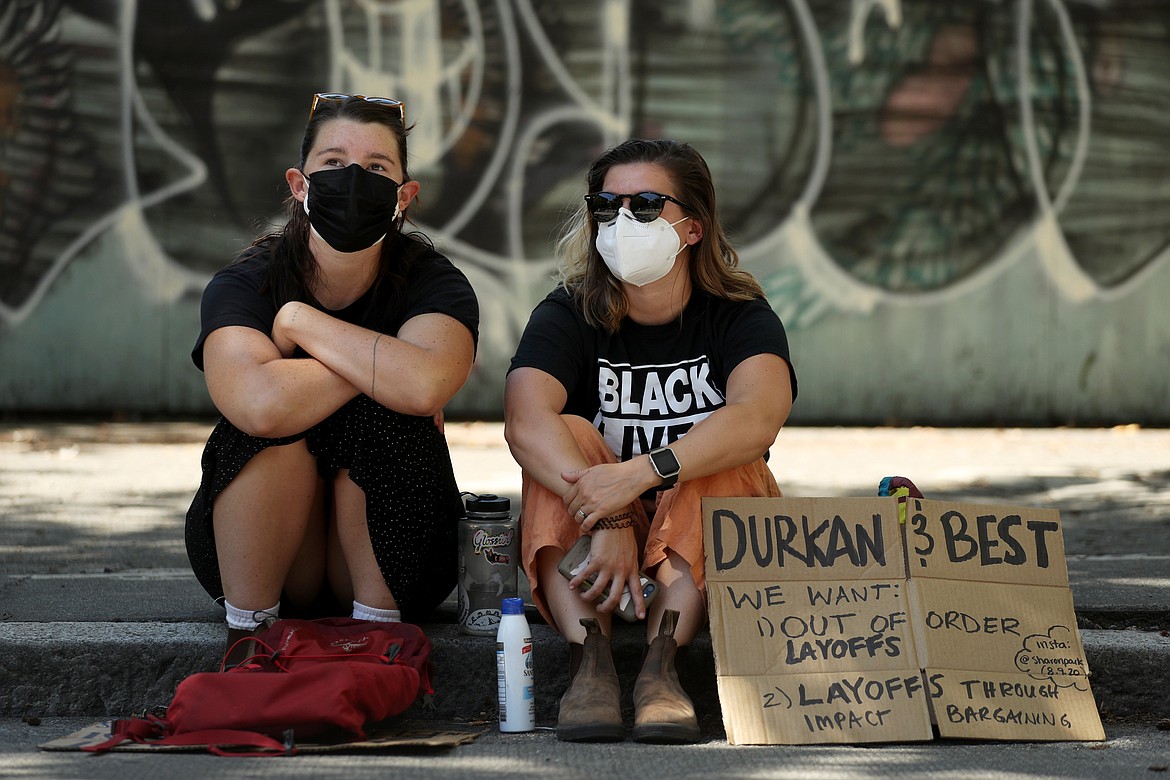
(100, 615)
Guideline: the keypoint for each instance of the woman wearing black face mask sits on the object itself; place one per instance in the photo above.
(330, 347)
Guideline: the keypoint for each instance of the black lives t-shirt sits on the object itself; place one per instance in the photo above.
(646, 385)
(434, 285)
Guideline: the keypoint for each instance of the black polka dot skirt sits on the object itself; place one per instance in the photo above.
(402, 464)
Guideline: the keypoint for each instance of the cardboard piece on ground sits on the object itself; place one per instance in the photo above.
(385, 738)
(829, 627)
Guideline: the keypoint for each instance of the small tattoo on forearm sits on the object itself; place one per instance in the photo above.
(374, 368)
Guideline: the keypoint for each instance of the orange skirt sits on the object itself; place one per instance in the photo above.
(678, 516)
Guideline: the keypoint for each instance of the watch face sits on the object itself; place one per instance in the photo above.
(665, 463)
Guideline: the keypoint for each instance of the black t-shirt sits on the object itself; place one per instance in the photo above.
(646, 385)
(433, 285)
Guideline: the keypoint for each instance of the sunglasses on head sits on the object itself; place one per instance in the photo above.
(645, 206)
(338, 97)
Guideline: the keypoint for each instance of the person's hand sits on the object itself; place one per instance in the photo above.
(603, 490)
(285, 319)
(439, 419)
(613, 564)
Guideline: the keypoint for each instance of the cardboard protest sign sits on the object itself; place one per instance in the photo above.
(832, 622)
(994, 623)
(809, 620)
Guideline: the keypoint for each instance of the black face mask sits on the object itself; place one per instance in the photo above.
(351, 208)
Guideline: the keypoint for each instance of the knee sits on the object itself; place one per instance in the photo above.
(675, 571)
(548, 555)
(283, 457)
(745, 480)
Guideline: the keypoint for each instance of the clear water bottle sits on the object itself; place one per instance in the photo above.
(489, 553)
(515, 675)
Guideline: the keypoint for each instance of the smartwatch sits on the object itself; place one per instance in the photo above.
(665, 466)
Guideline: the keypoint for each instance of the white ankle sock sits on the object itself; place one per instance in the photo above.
(248, 619)
(362, 612)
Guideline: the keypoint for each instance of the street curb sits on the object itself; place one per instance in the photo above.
(1130, 671)
(122, 669)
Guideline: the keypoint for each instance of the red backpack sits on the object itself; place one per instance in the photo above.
(307, 678)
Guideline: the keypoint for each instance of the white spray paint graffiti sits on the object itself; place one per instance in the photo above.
(400, 50)
(162, 279)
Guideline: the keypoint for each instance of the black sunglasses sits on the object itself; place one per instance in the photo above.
(645, 206)
(338, 97)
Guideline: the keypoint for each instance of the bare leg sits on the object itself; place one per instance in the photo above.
(677, 591)
(566, 605)
(305, 576)
(262, 521)
(336, 569)
(369, 586)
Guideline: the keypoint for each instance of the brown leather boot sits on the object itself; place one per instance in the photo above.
(662, 710)
(242, 646)
(591, 707)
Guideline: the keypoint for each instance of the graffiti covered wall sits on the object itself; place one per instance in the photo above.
(961, 210)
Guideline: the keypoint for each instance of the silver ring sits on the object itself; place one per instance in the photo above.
(582, 513)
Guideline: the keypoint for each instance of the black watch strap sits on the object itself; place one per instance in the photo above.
(666, 466)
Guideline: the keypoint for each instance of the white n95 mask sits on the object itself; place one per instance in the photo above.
(638, 252)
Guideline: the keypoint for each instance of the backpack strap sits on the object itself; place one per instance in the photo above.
(217, 740)
(152, 731)
(130, 730)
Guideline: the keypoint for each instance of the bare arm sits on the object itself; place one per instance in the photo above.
(537, 436)
(416, 372)
(759, 398)
(261, 392)
(544, 447)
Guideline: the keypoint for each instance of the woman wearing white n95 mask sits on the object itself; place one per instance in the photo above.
(639, 252)
(653, 375)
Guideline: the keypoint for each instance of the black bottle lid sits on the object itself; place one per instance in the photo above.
(488, 504)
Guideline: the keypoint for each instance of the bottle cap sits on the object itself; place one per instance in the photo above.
(488, 504)
(513, 606)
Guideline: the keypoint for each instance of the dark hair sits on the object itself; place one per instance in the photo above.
(293, 270)
(713, 265)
